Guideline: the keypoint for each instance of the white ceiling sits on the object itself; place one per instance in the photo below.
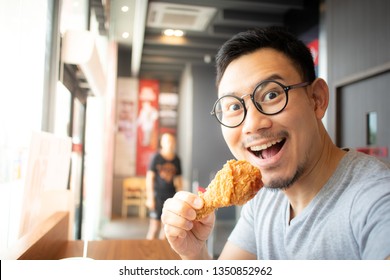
(121, 21)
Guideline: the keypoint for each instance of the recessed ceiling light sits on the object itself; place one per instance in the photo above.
(207, 58)
(179, 33)
(125, 35)
(174, 32)
(125, 9)
(169, 32)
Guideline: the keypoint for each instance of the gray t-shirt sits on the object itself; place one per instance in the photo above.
(348, 219)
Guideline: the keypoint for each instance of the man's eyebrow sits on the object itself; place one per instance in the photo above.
(228, 93)
(267, 78)
(271, 77)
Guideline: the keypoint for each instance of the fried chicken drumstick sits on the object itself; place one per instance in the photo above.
(235, 184)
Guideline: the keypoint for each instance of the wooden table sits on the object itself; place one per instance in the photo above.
(120, 250)
(49, 241)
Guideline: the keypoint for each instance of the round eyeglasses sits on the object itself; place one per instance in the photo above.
(269, 97)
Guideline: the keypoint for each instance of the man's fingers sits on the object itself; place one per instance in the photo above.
(174, 232)
(192, 199)
(178, 214)
(176, 219)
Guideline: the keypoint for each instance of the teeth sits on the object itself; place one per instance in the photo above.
(265, 146)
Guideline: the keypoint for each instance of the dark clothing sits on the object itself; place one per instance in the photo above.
(166, 171)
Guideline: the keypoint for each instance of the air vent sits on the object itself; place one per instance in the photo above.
(185, 17)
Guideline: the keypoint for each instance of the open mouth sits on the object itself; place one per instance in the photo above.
(268, 150)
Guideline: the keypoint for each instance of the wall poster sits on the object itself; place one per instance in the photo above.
(126, 134)
(147, 124)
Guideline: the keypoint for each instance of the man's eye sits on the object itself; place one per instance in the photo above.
(270, 95)
(234, 107)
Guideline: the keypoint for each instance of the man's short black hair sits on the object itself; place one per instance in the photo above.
(277, 38)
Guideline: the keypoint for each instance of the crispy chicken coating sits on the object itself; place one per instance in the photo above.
(235, 184)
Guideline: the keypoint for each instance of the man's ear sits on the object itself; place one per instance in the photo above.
(320, 96)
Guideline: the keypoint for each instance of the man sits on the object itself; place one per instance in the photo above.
(163, 180)
(319, 201)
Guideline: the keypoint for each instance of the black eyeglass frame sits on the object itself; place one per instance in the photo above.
(285, 89)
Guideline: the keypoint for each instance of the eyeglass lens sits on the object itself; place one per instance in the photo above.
(269, 98)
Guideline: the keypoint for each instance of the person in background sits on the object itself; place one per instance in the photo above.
(318, 201)
(163, 180)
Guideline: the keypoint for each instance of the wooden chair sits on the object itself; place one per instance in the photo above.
(134, 194)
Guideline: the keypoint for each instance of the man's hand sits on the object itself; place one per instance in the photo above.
(186, 236)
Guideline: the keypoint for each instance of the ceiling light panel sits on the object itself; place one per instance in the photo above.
(177, 16)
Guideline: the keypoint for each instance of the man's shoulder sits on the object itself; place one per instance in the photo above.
(363, 163)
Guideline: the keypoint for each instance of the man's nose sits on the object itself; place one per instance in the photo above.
(255, 120)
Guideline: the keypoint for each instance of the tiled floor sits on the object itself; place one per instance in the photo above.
(136, 228)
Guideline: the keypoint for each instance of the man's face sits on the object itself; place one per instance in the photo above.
(282, 146)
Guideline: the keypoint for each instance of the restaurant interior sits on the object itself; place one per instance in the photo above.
(74, 149)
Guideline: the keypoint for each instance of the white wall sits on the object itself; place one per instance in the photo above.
(22, 56)
(185, 126)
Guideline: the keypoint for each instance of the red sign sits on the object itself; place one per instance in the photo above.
(147, 124)
(374, 151)
(313, 46)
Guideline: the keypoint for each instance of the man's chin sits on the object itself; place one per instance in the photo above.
(276, 188)
(283, 183)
